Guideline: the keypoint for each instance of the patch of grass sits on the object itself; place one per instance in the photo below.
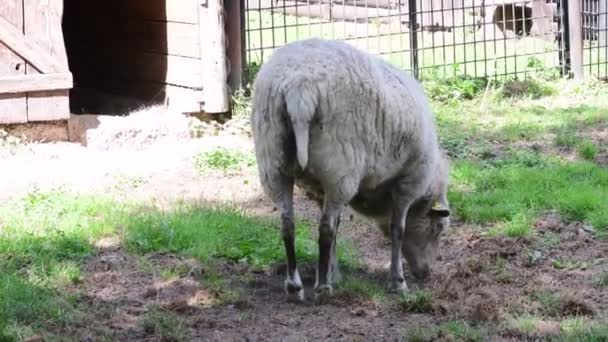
(30, 307)
(516, 193)
(420, 334)
(419, 301)
(519, 226)
(357, 288)
(223, 159)
(163, 324)
(525, 324)
(44, 239)
(211, 232)
(588, 150)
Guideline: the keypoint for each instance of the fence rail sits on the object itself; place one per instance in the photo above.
(477, 38)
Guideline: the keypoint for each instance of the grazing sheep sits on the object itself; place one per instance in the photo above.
(349, 129)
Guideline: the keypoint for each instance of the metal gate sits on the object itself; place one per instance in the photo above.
(477, 38)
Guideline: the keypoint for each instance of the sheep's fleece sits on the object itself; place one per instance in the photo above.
(350, 128)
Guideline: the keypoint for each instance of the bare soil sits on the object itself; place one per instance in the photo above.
(477, 279)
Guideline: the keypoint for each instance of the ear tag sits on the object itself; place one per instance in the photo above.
(437, 206)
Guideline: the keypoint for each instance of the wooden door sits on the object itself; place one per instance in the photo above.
(34, 73)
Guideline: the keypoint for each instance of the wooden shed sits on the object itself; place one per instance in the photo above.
(72, 56)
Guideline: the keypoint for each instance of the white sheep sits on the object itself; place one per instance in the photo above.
(350, 129)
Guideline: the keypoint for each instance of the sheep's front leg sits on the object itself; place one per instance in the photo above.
(397, 280)
(335, 275)
(293, 283)
(327, 236)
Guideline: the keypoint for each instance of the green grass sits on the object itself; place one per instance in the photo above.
(224, 159)
(46, 237)
(489, 194)
(213, 232)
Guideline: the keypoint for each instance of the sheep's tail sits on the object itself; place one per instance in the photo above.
(301, 101)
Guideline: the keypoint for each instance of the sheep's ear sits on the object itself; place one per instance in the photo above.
(440, 209)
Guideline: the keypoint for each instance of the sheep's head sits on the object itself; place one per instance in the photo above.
(425, 224)
(426, 221)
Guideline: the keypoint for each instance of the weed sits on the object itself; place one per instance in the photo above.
(241, 103)
(445, 89)
(163, 324)
(588, 150)
(419, 301)
(224, 160)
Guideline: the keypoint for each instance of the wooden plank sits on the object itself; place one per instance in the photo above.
(234, 28)
(123, 96)
(576, 39)
(215, 75)
(43, 19)
(179, 11)
(41, 82)
(48, 105)
(135, 65)
(29, 50)
(13, 107)
(176, 39)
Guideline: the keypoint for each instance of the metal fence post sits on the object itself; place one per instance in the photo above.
(413, 27)
(575, 36)
(564, 41)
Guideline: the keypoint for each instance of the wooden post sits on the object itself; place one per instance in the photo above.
(234, 30)
(214, 59)
(576, 38)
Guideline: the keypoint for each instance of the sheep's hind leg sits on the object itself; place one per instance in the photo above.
(293, 284)
(327, 236)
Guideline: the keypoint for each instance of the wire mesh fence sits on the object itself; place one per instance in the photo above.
(595, 35)
(476, 38)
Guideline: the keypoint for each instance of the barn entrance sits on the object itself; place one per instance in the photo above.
(122, 58)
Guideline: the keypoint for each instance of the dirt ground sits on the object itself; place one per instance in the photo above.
(477, 279)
